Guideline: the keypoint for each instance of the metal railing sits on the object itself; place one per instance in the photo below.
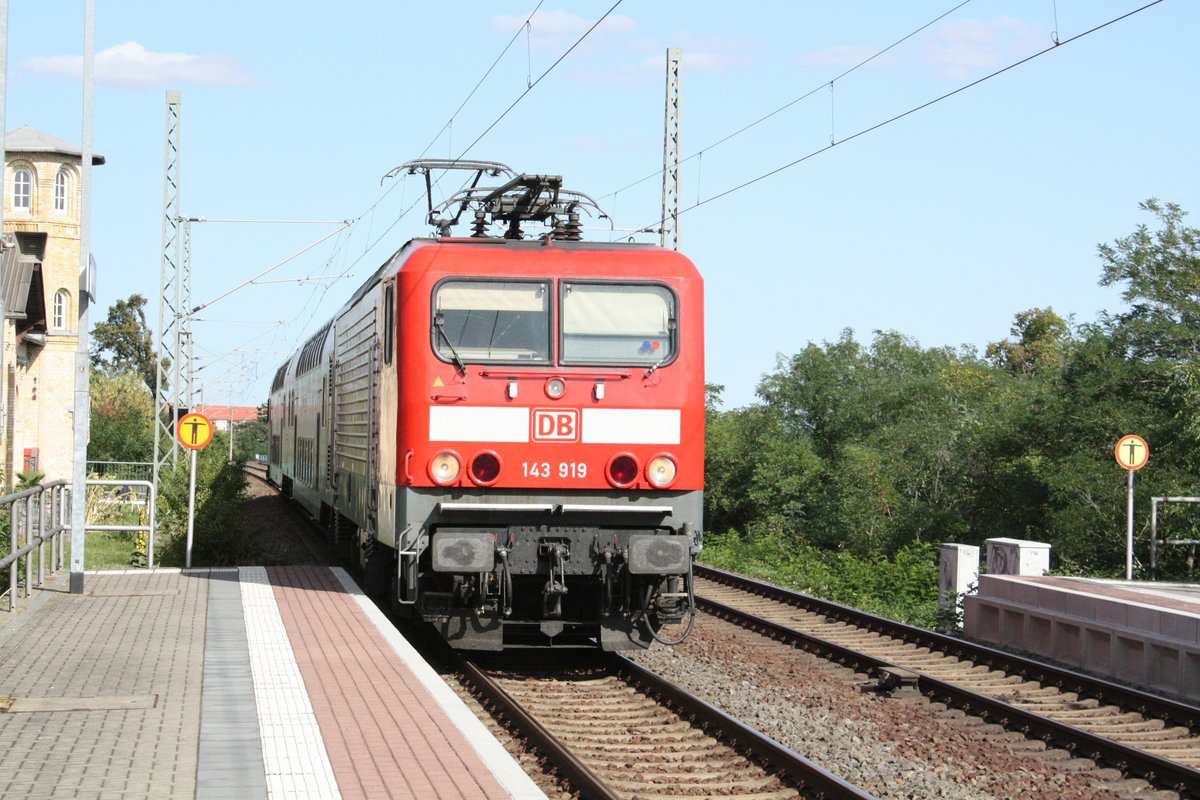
(1154, 540)
(39, 515)
(129, 470)
(151, 502)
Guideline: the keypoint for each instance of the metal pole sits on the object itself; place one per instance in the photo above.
(153, 501)
(1154, 538)
(670, 198)
(82, 361)
(4, 434)
(1129, 533)
(166, 382)
(191, 510)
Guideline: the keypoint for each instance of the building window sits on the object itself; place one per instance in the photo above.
(22, 189)
(62, 303)
(61, 184)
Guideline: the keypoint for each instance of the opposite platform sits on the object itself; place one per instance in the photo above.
(250, 683)
(1143, 633)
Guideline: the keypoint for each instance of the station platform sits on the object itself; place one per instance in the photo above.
(278, 682)
(1142, 633)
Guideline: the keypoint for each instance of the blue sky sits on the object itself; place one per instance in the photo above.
(940, 225)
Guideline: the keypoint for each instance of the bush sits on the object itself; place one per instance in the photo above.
(903, 588)
(218, 538)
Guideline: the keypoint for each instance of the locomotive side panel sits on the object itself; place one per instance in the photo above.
(390, 370)
(355, 412)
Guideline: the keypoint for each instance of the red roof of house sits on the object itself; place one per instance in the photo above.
(218, 413)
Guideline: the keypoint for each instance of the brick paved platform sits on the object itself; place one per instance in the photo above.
(231, 684)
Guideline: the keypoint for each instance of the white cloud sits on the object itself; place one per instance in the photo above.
(558, 29)
(132, 66)
(605, 55)
(846, 56)
(967, 46)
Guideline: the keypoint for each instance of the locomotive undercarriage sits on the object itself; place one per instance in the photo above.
(493, 588)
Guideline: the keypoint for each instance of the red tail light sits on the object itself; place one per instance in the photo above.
(485, 468)
(622, 470)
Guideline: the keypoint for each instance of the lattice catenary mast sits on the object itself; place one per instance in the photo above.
(670, 210)
(175, 285)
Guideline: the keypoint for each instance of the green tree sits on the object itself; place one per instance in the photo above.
(1160, 271)
(250, 439)
(1042, 343)
(891, 424)
(1132, 372)
(124, 342)
(122, 418)
(759, 477)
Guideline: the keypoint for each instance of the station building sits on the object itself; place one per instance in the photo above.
(40, 287)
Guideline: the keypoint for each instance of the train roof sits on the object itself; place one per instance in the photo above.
(498, 213)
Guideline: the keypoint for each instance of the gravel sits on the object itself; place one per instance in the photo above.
(900, 747)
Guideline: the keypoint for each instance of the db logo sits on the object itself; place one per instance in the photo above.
(555, 425)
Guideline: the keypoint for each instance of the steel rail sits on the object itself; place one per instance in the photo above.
(797, 769)
(806, 775)
(1126, 697)
(1155, 769)
(581, 778)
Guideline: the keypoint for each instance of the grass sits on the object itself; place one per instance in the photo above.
(107, 549)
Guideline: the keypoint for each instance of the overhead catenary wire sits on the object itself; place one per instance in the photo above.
(548, 70)
(884, 123)
(529, 88)
(320, 289)
(449, 123)
(826, 84)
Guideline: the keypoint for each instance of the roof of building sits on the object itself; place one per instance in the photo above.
(31, 140)
(219, 413)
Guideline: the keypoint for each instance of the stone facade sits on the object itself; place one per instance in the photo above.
(42, 201)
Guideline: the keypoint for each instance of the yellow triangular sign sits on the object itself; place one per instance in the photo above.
(438, 382)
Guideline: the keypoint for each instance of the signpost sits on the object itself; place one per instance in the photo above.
(1131, 453)
(193, 431)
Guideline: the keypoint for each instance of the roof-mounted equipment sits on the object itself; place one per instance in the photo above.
(523, 198)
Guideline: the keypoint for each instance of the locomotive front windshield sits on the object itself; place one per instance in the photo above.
(492, 321)
(617, 323)
(611, 323)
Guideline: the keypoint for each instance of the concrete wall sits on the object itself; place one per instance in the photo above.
(1101, 628)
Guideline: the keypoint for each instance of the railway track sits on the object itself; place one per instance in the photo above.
(616, 730)
(1140, 734)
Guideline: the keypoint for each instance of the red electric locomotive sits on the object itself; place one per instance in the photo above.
(509, 430)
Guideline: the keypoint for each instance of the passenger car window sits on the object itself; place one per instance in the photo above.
(617, 323)
(491, 321)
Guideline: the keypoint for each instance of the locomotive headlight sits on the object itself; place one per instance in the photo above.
(444, 468)
(661, 471)
(555, 388)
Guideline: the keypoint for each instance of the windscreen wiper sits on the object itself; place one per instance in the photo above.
(439, 323)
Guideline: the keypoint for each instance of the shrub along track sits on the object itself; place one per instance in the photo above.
(1138, 733)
